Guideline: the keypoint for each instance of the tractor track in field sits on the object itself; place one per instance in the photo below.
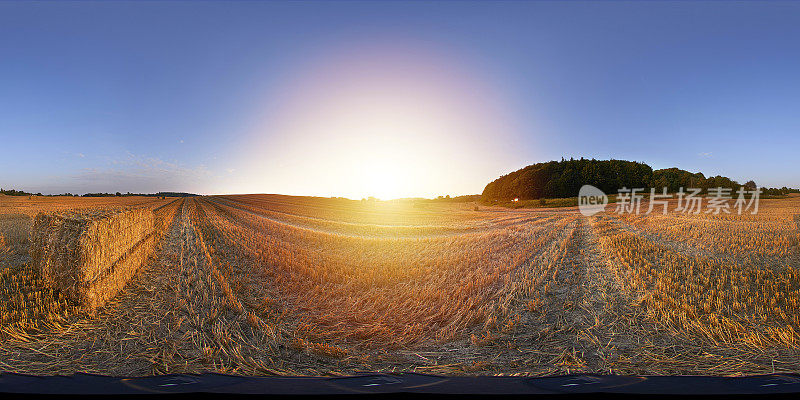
(584, 319)
(586, 322)
(596, 310)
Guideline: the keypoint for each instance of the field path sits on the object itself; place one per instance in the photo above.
(585, 317)
(601, 314)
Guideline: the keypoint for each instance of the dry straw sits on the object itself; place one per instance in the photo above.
(90, 256)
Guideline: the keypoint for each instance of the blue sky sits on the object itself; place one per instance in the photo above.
(189, 96)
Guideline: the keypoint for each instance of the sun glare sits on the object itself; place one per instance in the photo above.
(383, 125)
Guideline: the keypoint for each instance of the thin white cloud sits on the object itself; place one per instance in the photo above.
(132, 173)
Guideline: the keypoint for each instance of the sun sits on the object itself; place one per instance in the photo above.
(384, 176)
(382, 182)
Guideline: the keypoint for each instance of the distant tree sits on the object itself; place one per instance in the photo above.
(674, 178)
(750, 185)
(118, 194)
(14, 192)
(564, 178)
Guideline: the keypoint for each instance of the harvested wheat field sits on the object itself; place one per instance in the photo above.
(268, 284)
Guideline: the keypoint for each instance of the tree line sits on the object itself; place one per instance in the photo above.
(13, 192)
(560, 179)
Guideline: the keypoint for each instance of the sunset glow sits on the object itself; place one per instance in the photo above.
(380, 123)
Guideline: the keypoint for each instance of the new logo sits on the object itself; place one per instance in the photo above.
(591, 200)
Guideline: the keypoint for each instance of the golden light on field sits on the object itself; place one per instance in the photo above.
(380, 123)
(289, 284)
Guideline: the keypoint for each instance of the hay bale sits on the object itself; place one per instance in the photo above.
(104, 288)
(90, 256)
(164, 215)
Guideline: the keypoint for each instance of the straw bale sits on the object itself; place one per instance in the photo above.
(83, 253)
(104, 288)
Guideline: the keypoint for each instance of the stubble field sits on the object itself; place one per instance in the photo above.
(268, 284)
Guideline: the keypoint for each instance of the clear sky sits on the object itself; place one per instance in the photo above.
(391, 99)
